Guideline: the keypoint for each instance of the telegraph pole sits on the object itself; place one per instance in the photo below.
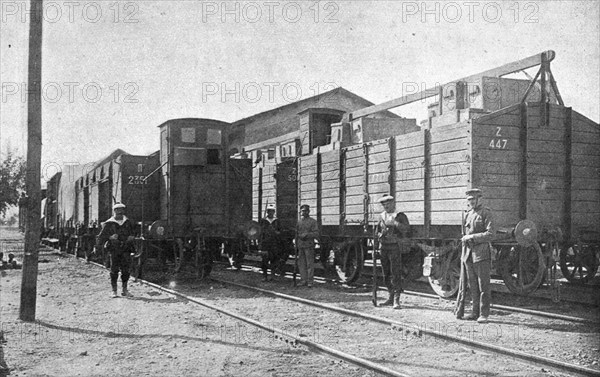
(34, 161)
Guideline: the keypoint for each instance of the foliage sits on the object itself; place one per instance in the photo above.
(12, 180)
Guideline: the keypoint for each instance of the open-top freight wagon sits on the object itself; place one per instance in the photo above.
(536, 161)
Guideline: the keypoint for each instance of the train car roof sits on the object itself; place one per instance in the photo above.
(193, 120)
(338, 90)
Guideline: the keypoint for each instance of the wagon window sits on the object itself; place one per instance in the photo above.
(213, 136)
(213, 157)
(188, 135)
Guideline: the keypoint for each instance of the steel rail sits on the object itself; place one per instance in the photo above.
(495, 306)
(278, 333)
(410, 328)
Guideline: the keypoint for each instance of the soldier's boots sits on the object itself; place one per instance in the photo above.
(390, 300)
(397, 301)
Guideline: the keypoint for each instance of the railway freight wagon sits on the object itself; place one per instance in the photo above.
(536, 161)
(530, 165)
(116, 178)
(205, 197)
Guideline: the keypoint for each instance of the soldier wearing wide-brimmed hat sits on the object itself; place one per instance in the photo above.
(476, 257)
(117, 238)
(392, 227)
(270, 243)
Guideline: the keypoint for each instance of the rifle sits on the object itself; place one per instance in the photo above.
(296, 257)
(374, 298)
(462, 284)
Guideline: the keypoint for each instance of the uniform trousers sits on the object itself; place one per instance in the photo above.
(478, 275)
(120, 261)
(306, 263)
(391, 263)
(270, 259)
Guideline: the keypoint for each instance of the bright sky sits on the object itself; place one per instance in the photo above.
(113, 71)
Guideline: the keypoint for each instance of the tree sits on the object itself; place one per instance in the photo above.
(12, 180)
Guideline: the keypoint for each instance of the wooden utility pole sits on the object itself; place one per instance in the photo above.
(34, 161)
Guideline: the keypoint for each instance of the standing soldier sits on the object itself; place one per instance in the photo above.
(393, 226)
(117, 238)
(307, 231)
(270, 242)
(476, 256)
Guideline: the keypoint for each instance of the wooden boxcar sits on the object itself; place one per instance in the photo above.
(205, 196)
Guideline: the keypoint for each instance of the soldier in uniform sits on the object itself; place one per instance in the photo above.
(307, 231)
(476, 256)
(270, 242)
(393, 226)
(117, 238)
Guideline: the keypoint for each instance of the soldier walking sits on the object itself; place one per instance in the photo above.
(476, 257)
(117, 238)
(307, 231)
(393, 226)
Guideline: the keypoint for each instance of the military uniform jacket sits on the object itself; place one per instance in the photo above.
(479, 223)
(123, 229)
(270, 232)
(306, 231)
(393, 227)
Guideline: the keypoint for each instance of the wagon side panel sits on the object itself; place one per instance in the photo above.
(287, 193)
(308, 182)
(585, 155)
(354, 175)
(450, 173)
(410, 176)
(240, 195)
(140, 196)
(378, 167)
(330, 188)
(546, 164)
(496, 163)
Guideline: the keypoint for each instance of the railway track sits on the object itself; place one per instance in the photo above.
(508, 308)
(404, 328)
(410, 328)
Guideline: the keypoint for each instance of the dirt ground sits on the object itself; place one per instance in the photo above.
(81, 331)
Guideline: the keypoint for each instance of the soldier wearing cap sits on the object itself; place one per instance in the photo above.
(117, 238)
(307, 231)
(270, 243)
(476, 256)
(393, 226)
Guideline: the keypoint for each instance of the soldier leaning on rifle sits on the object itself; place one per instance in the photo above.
(393, 226)
(476, 256)
(117, 238)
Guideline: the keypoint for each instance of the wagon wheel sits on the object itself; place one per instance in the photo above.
(350, 263)
(448, 283)
(578, 263)
(522, 268)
